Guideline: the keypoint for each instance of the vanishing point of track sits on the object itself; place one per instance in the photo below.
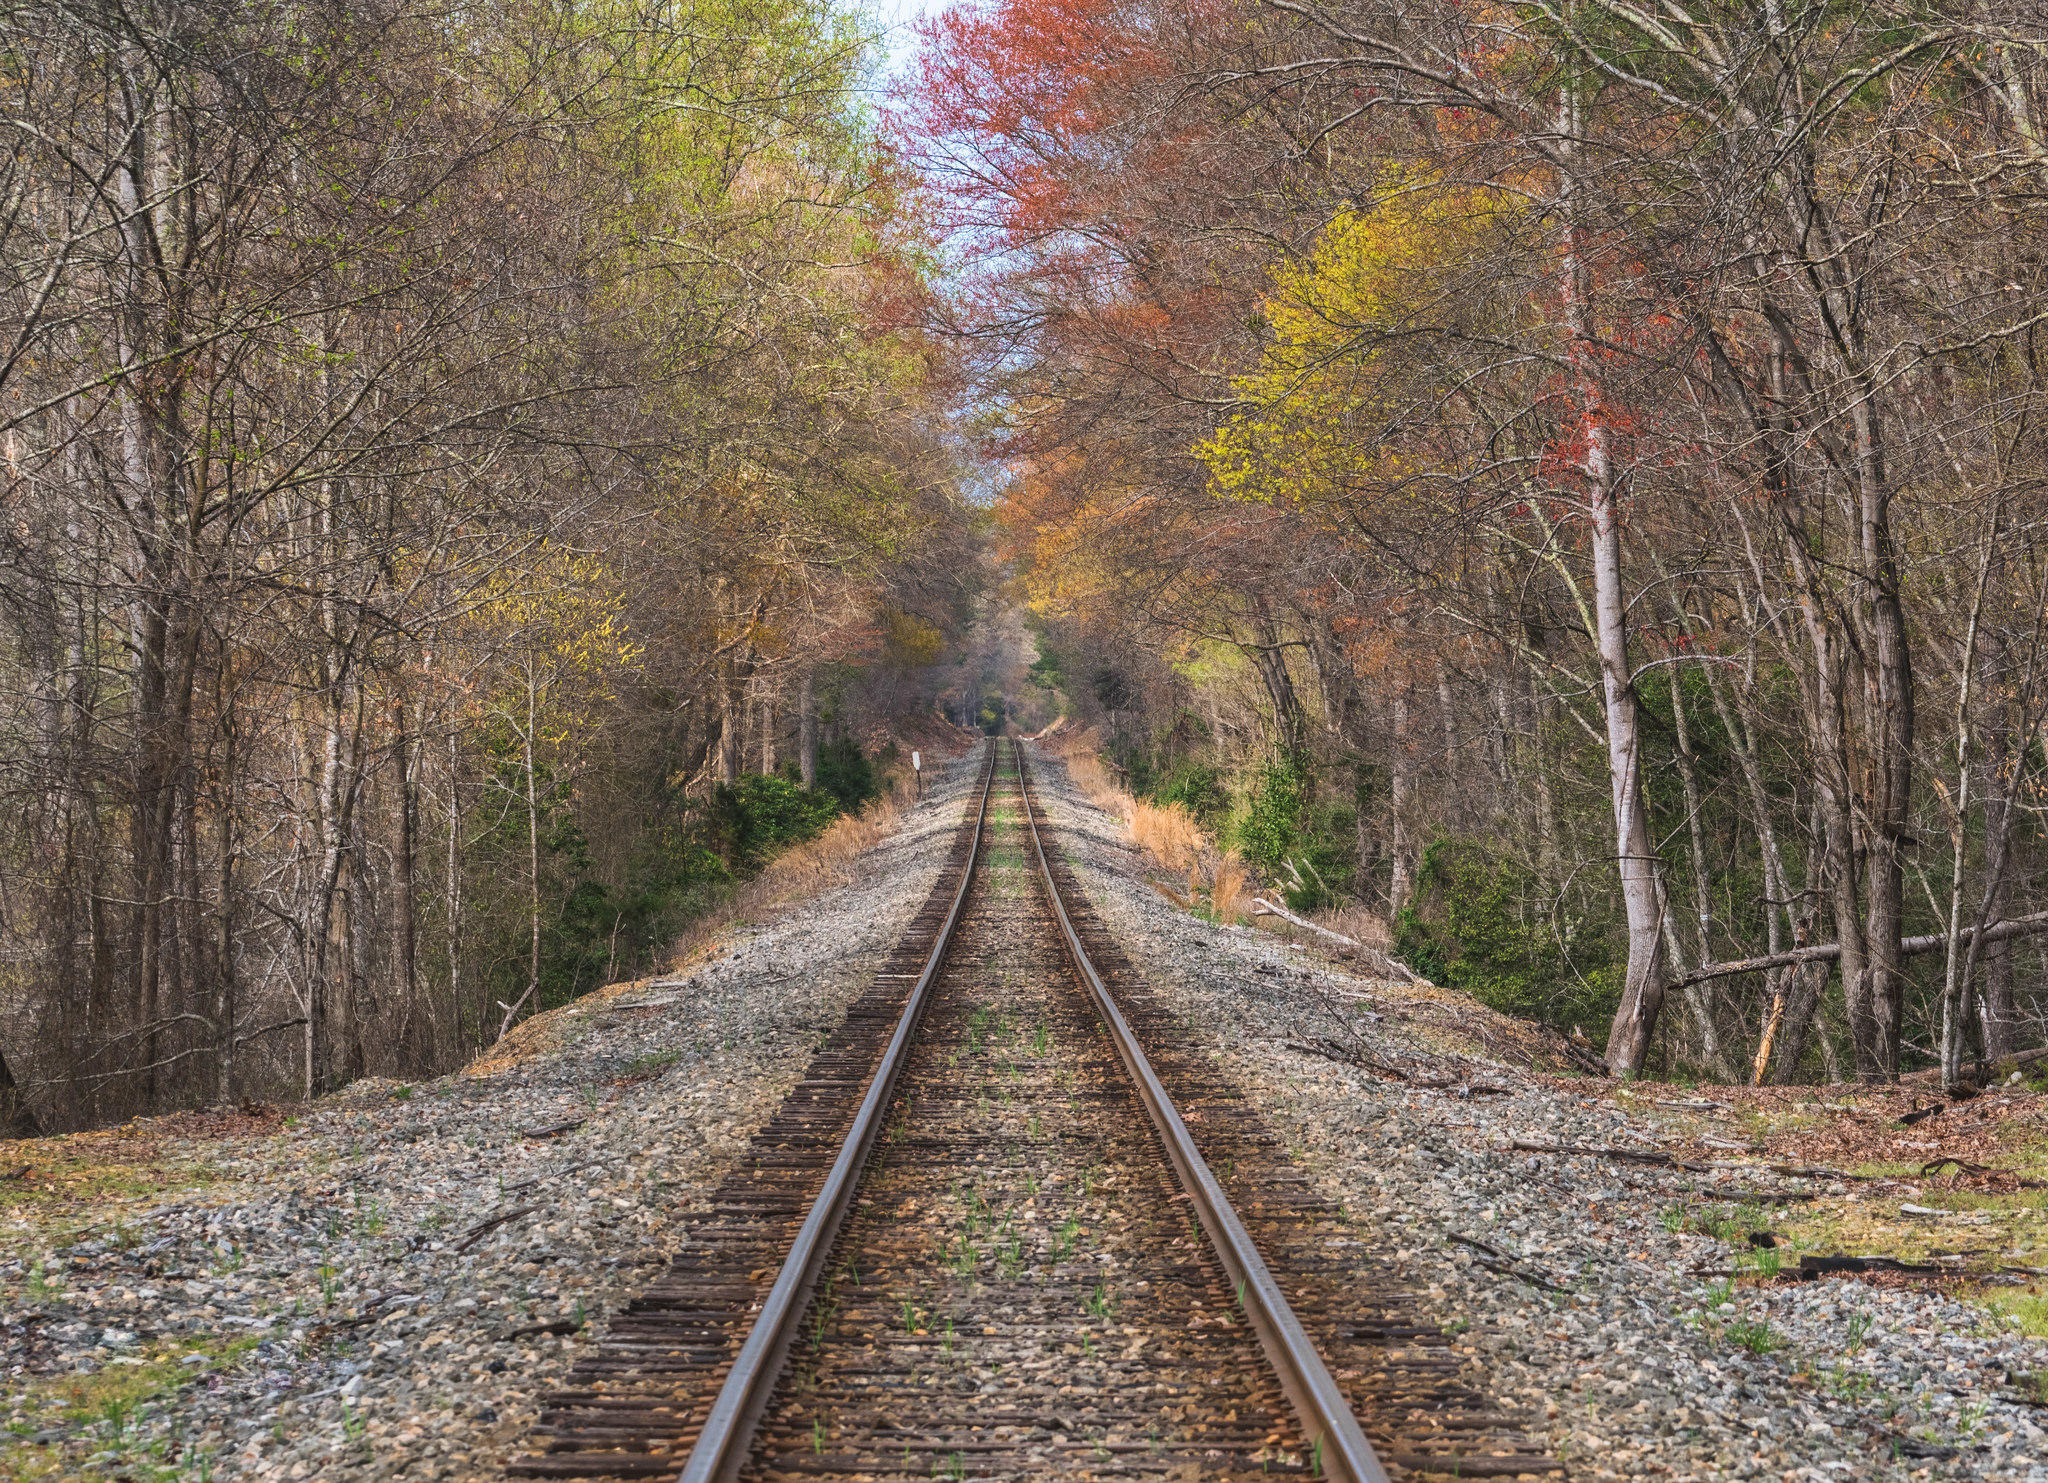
(1010, 1226)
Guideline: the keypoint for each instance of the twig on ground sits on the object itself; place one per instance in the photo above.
(542, 1178)
(555, 1130)
(1505, 1265)
(483, 1228)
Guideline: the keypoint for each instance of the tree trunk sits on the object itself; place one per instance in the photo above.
(807, 733)
(225, 1008)
(1997, 1007)
(1271, 661)
(730, 739)
(405, 903)
(1804, 985)
(1642, 889)
(533, 846)
(17, 1118)
(1400, 781)
(452, 906)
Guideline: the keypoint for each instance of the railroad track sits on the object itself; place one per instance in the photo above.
(1009, 1226)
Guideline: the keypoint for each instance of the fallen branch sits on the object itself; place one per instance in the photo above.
(555, 1130)
(1504, 1264)
(1343, 1055)
(1262, 907)
(553, 1326)
(621, 1004)
(1963, 1166)
(1824, 1266)
(373, 1310)
(483, 1228)
(1829, 952)
(512, 1009)
(1604, 1151)
(1815, 1171)
(538, 1179)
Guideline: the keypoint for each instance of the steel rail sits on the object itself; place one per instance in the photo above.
(1340, 1448)
(728, 1430)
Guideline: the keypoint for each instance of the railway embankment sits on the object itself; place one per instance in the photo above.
(1623, 1261)
(386, 1283)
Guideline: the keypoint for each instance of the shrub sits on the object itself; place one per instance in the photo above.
(845, 772)
(761, 815)
(1271, 827)
(1305, 848)
(1478, 922)
(1196, 787)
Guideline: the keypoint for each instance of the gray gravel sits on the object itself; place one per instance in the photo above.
(322, 1293)
(1616, 1336)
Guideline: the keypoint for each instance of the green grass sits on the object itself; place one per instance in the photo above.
(651, 1064)
(1754, 1335)
(2030, 1308)
(104, 1411)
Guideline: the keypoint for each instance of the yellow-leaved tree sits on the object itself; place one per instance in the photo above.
(1354, 408)
(551, 646)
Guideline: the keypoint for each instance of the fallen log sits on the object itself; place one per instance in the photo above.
(1828, 1266)
(1829, 952)
(1264, 908)
(554, 1130)
(1605, 1151)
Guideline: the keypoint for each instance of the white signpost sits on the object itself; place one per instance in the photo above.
(917, 766)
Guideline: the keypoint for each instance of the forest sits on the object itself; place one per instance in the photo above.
(1564, 476)
(1559, 480)
(470, 474)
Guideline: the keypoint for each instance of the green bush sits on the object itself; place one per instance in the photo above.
(845, 772)
(1196, 787)
(1477, 922)
(1305, 847)
(761, 815)
(1270, 828)
(596, 934)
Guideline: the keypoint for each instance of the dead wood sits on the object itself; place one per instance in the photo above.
(483, 1228)
(555, 1130)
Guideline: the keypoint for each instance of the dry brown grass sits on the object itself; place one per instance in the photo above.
(1360, 924)
(1229, 891)
(1169, 833)
(1091, 775)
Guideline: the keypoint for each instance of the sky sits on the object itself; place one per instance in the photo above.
(899, 16)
